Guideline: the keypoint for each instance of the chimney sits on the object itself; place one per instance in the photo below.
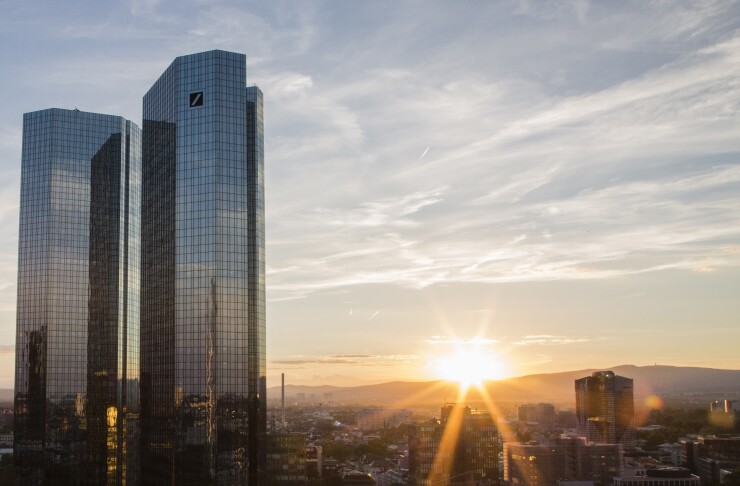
(282, 396)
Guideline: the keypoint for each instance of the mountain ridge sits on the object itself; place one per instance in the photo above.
(662, 380)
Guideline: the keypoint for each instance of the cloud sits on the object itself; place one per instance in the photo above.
(322, 361)
(464, 341)
(384, 213)
(550, 340)
(588, 141)
(366, 360)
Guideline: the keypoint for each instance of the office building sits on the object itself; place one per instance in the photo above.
(286, 458)
(605, 409)
(203, 286)
(459, 448)
(77, 363)
(708, 456)
(565, 459)
(533, 464)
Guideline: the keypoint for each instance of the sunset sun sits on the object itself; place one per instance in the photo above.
(470, 366)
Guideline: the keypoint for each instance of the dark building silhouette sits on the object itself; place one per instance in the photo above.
(203, 275)
(708, 455)
(543, 413)
(461, 448)
(662, 476)
(77, 363)
(605, 409)
(357, 478)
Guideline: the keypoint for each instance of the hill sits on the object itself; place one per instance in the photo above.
(687, 385)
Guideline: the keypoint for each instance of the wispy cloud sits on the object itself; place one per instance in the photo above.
(592, 141)
(386, 213)
(549, 340)
(381, 360)
(458, 340)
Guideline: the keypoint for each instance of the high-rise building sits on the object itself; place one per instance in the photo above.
(203, 284)
(460, 448)
(77, 363)
(605, 408)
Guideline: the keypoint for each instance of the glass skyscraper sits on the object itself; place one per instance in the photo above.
(605, 408)
(203, 288)
(77, 339)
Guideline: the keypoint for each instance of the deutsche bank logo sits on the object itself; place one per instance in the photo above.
(196, 99)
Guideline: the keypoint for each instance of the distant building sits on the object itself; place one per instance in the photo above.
(390, 478)
(724, 406)
(569, 459)
(381, 418)
(567, 419)
(329, 467)
(314, 461)
(671, 476)
(6, 418)
(6, 439)
(605, 409)
(542, 413)
(460, 448)
(286, 458)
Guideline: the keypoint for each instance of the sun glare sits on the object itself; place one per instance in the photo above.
(470, 366)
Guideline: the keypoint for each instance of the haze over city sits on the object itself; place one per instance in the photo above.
(512, 186)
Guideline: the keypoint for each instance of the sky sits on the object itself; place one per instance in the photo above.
(551, 185)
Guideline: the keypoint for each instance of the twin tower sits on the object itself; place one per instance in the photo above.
(140, 347)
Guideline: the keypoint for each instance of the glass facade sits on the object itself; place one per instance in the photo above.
(77, 363)
(203, 288)
(605, 408)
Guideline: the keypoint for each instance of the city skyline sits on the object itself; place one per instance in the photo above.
(555, 186)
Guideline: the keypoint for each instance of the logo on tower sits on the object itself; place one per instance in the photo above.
(196, 99)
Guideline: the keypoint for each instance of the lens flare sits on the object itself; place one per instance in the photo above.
(653, 402)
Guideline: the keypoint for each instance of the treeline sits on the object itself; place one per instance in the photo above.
(678, 422)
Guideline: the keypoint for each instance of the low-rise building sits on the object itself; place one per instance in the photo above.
(670, 476)
(381, 418)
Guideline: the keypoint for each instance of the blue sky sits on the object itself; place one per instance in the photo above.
(560, 180)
